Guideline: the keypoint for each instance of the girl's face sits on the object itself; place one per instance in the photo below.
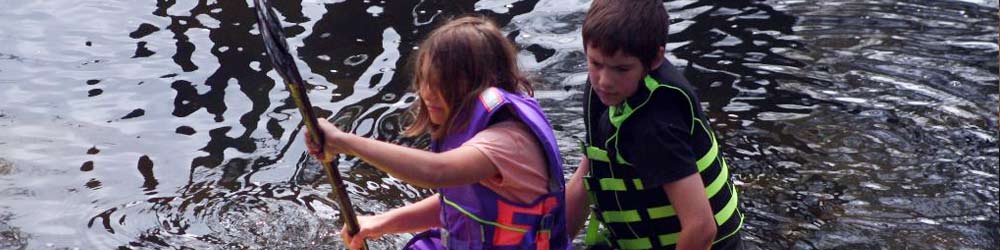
(437, 109)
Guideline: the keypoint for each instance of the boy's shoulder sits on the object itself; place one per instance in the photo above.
(677, 93)
(670, 75)
(666, 107)
(670, 111)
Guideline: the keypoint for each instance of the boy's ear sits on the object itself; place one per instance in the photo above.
(658, 60)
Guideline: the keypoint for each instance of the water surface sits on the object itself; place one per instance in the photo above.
(848, 124)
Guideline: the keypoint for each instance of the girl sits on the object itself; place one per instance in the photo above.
(493, 158)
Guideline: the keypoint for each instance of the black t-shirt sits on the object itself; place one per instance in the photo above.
(656, 139)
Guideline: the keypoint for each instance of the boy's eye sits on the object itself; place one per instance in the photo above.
(621, 69)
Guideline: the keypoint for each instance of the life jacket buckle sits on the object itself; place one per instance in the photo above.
(546, 222)
(444, 238)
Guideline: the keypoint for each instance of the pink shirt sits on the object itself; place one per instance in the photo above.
(518, 157)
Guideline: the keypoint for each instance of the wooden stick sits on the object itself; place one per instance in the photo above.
(284, 64)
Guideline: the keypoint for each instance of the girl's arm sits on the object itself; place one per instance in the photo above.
(576, 200)
(463, 165)
(698, 227)
(411, 218)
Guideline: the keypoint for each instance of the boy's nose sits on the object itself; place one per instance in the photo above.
(601, 80)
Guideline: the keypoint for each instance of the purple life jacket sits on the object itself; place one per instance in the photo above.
(474, 216)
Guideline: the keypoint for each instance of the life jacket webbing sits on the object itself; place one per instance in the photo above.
(480, 220)
(617, 116)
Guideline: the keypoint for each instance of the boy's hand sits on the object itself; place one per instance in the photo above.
(368, 227)
(332, 141)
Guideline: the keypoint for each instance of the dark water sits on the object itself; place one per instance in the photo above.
(849, 124)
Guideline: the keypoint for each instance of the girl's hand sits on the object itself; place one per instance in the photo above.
(332, 145)
(369, 227)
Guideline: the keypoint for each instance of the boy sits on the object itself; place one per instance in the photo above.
(655, 176)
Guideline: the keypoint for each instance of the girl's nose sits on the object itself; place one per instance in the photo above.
(424, 93)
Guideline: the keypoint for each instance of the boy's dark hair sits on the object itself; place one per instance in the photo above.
(635, 27)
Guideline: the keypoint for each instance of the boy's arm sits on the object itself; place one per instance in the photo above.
(698, 227)
(576, 200)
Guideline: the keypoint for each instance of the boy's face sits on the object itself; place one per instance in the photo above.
(613, 77)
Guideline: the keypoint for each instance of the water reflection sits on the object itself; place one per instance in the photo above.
(221, 199)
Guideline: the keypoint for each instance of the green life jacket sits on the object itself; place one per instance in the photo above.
(636, 216)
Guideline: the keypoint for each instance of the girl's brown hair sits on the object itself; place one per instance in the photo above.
(459, 60)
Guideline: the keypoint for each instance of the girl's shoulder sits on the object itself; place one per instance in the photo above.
(510, 131)
(518, 157)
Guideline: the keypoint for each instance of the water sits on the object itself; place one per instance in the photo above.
(849, 124)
